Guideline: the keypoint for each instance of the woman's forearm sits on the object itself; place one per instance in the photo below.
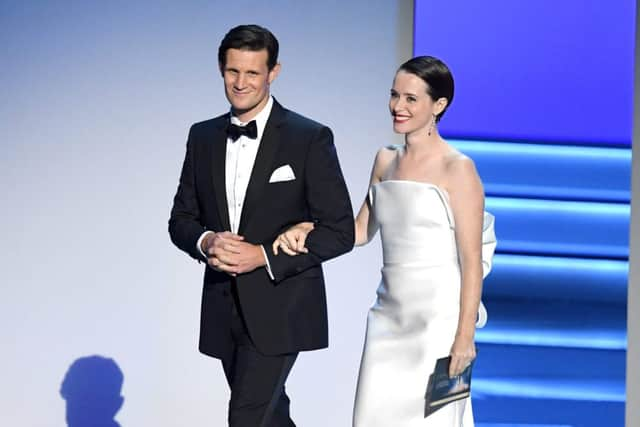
(470, 294)
(361, 235)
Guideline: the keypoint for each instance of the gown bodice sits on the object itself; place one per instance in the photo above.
(416, 223)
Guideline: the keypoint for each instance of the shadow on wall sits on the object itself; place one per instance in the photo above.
(91, 389)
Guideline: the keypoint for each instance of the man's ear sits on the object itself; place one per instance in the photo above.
(273, 73)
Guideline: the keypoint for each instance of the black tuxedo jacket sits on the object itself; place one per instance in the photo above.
(287, 314)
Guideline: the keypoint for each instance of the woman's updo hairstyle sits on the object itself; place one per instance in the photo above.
(435, 74)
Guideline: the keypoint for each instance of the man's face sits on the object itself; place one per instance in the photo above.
(246, 81)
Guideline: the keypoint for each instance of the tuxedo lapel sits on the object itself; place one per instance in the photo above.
(263, 164)
(218, 164)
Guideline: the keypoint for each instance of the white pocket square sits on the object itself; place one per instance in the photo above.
(283, 173)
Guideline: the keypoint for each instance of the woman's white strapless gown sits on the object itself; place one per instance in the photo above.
(414, 319)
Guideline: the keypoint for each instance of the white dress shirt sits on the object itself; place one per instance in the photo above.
(241, 155)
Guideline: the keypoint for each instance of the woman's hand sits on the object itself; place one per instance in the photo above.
(463, 351)
(292, 241)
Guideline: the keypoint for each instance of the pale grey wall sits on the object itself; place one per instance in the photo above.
(97, 98)
(633, 307)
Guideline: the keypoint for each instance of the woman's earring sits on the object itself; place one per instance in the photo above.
(433, 124)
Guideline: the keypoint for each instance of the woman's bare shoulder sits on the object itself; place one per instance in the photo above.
(384, 158)
(458, 163)
(390, 150)
(460, 169)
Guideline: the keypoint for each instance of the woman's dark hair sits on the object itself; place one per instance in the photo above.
(435, 74)
(249, 37)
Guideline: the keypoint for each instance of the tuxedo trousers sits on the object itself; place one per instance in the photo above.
(257, 381)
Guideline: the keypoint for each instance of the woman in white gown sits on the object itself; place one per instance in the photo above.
(427, 200)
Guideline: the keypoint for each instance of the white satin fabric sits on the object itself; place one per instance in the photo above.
(415, 316)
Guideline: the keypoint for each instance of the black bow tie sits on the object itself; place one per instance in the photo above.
(250, 130)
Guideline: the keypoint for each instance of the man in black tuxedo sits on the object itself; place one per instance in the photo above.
(247, 176)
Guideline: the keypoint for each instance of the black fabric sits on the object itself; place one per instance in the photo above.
(257, 325)
(287, 314)
(250, 130)
(256, 381)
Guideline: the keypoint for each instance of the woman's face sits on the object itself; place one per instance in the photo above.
(410, 105)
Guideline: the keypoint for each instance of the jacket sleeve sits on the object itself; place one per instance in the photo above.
(329, 207)
(185, 227)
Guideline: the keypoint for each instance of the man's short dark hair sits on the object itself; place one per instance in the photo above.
(249, 37)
